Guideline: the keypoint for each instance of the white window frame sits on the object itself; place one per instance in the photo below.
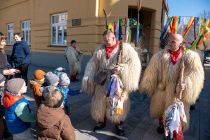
(10, 34)
(26, 28)
(61, 23)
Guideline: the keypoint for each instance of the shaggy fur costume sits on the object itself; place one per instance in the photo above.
(130, 75)
(73, 58)
(161, 78)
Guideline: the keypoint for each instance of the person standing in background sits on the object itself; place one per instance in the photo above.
(20, 58)
(73, 56)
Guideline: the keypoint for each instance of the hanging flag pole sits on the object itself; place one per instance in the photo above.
(139, 2)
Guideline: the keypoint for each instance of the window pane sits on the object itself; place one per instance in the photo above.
(9, 27)
(27, 36)
(23, 35)
(55, 19)
(23, 25)
(60, 41)
(53, 35)
(10, 33)
(65, 35)
(27, 25)
(62, 18)
(10, 38)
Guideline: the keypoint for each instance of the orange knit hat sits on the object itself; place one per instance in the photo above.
(39, 74)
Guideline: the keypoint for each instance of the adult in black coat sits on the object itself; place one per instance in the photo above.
(20, 57)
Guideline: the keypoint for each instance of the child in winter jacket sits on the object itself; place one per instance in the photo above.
(63, 87)
(52, 81)
(36, 84)
(18, 114)
(52, 122)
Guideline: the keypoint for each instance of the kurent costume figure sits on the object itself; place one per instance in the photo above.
(110, 82)
(73, 56)
(161, 79)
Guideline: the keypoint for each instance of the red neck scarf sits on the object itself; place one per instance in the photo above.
(174, 55)
(110, 49)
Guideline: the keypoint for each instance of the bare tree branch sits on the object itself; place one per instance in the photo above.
(205, 14)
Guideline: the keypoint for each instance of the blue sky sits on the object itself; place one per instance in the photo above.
(187, 7)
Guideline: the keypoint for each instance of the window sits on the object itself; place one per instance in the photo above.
(26, 31)
(59, 29)
(10, 32)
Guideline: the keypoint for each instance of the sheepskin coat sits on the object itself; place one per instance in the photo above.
(73, 57)
(161, 78)
(130, 75)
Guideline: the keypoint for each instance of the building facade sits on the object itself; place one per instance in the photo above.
(49, 25)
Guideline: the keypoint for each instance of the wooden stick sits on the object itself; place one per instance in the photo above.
(120, 51)
(182, 75)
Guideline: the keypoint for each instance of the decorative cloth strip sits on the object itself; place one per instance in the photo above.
(114, 94)
(174, 115)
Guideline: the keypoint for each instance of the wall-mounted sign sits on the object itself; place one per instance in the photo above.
(76, 22)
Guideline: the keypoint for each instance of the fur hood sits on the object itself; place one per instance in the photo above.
(53, 123)
(53, 115)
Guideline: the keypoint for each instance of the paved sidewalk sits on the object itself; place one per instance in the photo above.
(138, 126)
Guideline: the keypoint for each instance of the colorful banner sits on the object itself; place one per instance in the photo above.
(122, 29)
(195, 30)
(189, 24)
(174, 24)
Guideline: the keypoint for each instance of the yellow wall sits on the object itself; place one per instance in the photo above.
(88, 34)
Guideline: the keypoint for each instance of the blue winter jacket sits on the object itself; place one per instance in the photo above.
(15, 125)
(20, 54)
(65, 91)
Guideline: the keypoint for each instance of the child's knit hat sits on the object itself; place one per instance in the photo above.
(51, 78)
(58, 71)
(64, 80)
(15, 85)
(2, 78)
(39, 74)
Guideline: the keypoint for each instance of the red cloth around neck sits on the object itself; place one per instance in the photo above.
(175, 54)
(110, 49)
(9, 100)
